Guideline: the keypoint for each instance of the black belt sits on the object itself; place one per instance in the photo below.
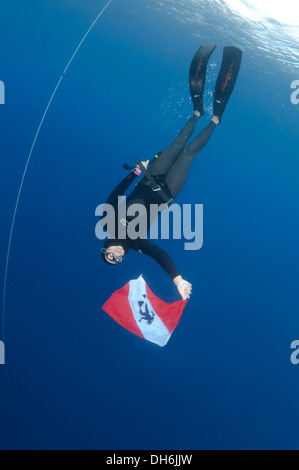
(154, 185)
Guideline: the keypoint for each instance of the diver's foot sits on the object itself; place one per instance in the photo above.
(216, 120)
(197, 76)
(197, 113)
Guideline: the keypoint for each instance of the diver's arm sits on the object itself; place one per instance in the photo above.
(148, 248)
(121, 189)
(124, 185)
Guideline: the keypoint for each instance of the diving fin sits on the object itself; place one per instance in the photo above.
(230, 67)
(197, 75)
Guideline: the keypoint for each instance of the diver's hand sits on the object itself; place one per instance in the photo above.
(138, 170)
(184, 287)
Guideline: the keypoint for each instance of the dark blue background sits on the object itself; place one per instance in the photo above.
(74, 378)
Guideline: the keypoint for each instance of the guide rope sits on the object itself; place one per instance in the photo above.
(30, 154)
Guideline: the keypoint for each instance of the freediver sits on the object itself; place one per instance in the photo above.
(164, 179)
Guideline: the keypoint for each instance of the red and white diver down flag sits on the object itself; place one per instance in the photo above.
(136, 308)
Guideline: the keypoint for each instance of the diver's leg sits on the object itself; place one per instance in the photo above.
(169, 155)
(177, 175)
(197, 78)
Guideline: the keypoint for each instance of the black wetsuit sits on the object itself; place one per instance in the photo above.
(171, 171)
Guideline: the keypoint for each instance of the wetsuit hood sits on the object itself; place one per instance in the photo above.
(115, 242)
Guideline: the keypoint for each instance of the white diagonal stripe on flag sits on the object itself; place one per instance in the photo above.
(147, 320)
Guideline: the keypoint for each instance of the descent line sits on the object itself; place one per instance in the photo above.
(30, 154)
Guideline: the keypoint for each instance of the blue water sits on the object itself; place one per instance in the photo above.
(73, 377)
